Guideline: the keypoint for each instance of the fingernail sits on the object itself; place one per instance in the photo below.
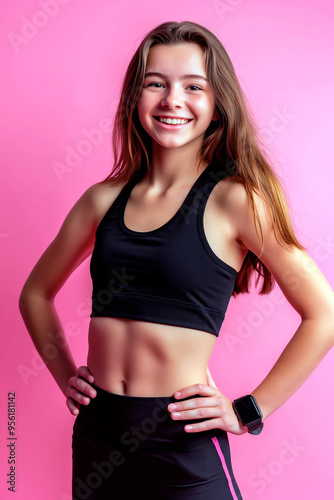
(188, 428)
(176, 414)
(172, 407)
(177, 394)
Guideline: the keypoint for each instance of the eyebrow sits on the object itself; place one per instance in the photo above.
(183, 77)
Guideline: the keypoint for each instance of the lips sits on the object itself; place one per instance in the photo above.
(172, 120)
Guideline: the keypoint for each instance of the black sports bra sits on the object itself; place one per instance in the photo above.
(169, 275)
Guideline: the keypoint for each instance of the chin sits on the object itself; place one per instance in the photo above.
(169, 145)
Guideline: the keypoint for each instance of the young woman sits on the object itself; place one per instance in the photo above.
(190, 213)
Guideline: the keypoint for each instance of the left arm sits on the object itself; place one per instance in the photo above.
(310, 295)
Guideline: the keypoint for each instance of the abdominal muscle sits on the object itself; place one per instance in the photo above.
(138, 358)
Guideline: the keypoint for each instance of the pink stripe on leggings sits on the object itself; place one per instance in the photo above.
(227, 473)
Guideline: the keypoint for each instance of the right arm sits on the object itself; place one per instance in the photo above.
(72, 245)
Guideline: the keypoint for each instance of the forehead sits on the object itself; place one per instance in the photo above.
(183, 57)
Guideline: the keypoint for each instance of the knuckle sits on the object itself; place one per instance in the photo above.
(226, 421)
(81, 384)
(82, 371)
(200, 401)
(201, 412)
(78, 383)
(222, 407)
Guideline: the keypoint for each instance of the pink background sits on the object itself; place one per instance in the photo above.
(64, 63)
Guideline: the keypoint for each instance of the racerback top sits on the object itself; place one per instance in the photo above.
(169, 275)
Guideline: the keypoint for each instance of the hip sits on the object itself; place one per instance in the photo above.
(129, 448)
(136, 421)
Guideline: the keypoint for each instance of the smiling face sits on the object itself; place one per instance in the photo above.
(176, 104)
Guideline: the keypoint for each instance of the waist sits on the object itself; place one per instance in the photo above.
(134, 422)
(144, 359)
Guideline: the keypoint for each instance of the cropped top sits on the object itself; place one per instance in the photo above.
(169, 275)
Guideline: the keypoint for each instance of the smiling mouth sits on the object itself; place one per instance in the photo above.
(172, 121)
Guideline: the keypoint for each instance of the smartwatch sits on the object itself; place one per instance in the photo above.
(249, 414)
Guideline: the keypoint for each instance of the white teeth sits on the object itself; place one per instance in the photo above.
(173, 121)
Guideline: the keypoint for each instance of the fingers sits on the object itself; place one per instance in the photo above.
(84, 372)
(79, 391)
(214, 409)
(196, 408)
(75, 394)
(196, 389)
(72, 406)
(214, 423)
(197, 413)
(78, 384)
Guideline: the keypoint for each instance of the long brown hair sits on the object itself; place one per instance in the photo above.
(234, 134)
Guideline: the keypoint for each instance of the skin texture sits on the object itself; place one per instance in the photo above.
(138, 358)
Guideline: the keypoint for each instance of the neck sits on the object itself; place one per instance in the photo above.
(172, 167)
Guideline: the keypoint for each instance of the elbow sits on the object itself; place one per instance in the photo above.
(331, 329)
(328, 322)
(324, 328)
(24, 300)
(28, 297)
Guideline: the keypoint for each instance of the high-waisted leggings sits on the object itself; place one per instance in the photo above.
(129, 448)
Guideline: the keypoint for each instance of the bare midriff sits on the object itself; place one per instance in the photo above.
(138, 358)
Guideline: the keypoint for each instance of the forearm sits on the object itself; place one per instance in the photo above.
(45, 329)
(312, 340)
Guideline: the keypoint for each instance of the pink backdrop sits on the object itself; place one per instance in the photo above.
(64, 63)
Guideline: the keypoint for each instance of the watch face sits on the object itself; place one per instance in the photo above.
(247, 409)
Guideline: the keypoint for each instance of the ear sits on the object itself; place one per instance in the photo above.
(215, 117)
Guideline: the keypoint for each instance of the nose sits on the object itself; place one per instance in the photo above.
(172, 98)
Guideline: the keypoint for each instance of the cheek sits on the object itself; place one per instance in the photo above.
(144, 105)
(206, 109)
(143, 110)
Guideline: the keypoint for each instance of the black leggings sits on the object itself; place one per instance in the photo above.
(129, 448)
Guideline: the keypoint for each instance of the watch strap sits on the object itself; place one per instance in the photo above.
(257, 430)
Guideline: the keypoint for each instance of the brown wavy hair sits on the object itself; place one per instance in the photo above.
(234, 134)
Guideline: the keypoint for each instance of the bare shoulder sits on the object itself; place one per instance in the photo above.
(74, 241)
(231, 192)
(98, 198)
(234, 203)
(232, 196)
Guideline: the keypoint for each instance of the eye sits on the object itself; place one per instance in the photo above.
(194, 87)
(154, 84)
